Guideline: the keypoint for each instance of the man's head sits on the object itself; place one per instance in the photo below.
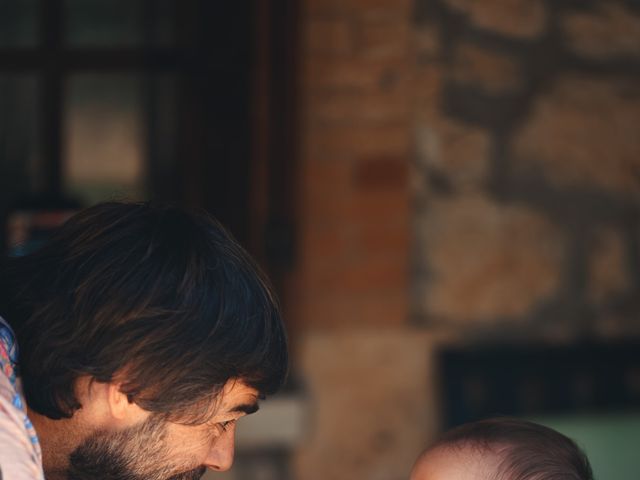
(151, 314)
(502, 449)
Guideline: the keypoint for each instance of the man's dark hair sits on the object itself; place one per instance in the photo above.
(525, 450)
(163, 300)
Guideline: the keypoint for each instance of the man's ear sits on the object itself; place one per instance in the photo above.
(119, 405)
(104, 404)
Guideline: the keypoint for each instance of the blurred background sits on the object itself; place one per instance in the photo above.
(446, 194)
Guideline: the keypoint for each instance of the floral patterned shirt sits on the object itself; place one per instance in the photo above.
(20, 455)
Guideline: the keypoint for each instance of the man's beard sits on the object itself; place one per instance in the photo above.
(135, 453)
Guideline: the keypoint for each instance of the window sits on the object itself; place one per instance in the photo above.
(127, 99)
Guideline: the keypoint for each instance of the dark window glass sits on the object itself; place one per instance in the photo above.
(20, 156)
(101, 23)
(161, 113)
(18, 23)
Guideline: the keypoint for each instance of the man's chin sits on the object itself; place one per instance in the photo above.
(194, 474)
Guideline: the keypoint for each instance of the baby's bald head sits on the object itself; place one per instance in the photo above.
(503, 449)
(463, 462)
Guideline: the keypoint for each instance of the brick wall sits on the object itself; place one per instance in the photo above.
(354, 211)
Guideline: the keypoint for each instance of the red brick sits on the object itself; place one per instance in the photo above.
(324, 7)
(325, 245)
(399, 6)
(326, 190)
(343, 108)
(359, 140)
(383, 39)
(332, 36)
(386, 207)
(339, 310)
(356, 275)
(380, 172)
(426, 87)
(350, 74)
(372, 276)
(379, 240)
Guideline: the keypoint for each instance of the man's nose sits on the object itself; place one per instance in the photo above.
(220, 456)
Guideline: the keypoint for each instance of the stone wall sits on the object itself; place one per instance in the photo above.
(527, 167)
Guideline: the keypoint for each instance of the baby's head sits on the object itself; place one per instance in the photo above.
(502, 449)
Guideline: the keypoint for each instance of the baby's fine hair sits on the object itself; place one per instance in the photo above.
(525, 450)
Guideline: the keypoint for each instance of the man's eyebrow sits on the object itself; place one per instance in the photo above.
(246, 408)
